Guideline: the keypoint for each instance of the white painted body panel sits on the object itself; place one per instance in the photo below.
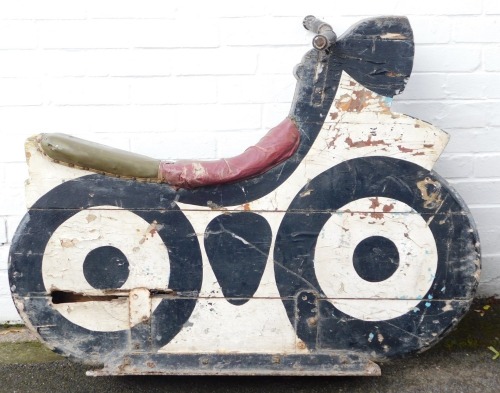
(359, 124)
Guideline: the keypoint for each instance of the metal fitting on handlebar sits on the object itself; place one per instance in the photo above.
(325, 37)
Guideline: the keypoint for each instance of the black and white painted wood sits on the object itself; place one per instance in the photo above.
(351, 251)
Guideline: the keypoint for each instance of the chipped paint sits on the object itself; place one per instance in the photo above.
(366, 143)
(68, 243)
(431, 192)
(393, 36)
(405, 149)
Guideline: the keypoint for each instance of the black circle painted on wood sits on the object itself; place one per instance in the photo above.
(375, 258)
(59, 205)
(106, 267)
(455, 279)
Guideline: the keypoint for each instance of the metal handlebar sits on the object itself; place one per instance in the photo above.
(325, 36)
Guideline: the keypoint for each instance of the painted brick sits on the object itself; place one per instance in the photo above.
(430, 112)
(214, 61)
(4, 256)
(225, 8)
(180, 90)
(3, 231)
(9, 313)
(80, 34)
(447, 58)
(18, 34)
(487, 165)
(452, 114)
(15, 171)
(432, 7)
(175, 146)
(492, 7)
(65, 119)
(255, 89)
(230, 144)
(489, 241)
(12, 224)
(431, 29)
(480, 141)
(136, 62)
(84, 120)
(288, 57)
(174, 33)
(491, 58)
(218, 117)
(273, 114)
(490, 276)
(488, 219)
(12, 148)
(491, 107)
(12, 201)
(263, 31)
(21, 63)
(292, 8)
(477, 29)
(20, 91)
(117, 62)
(48, 9)
(87, 91)
(115, 9)
(4, 286)
(455, 166)
(424, 87)
(471, 86)
(477, 192)
(132, 119)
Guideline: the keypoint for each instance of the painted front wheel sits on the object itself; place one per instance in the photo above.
(380, 256)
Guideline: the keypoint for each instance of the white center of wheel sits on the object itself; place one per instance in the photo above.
(71, 242)
(397, 294)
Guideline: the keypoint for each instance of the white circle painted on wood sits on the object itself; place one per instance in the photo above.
(389, 298)
(62, 266)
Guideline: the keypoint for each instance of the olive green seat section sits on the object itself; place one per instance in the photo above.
(97, 157)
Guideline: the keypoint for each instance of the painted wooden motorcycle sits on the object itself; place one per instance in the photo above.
(328, 245)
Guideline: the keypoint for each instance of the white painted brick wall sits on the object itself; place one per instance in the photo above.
(150, 75)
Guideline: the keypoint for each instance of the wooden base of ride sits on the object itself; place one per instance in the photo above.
(350, 252)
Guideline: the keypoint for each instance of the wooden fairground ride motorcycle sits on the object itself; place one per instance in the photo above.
(328, 245)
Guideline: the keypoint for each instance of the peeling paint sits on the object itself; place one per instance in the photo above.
(405, 149)
(393, 36)
(68, 243)
(430, 192)
(366, 143)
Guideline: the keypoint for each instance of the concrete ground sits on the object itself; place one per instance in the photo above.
(462, 362)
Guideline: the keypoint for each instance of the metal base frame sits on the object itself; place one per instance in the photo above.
(339, 363)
